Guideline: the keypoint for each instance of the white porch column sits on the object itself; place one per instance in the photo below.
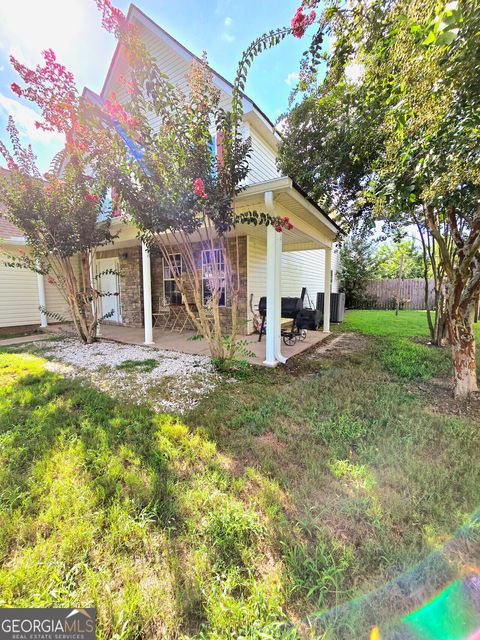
(147, 294)
(327, 289)
(42, 301)
(98, 329)
(273, 353)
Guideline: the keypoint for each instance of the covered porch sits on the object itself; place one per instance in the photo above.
(142, 283)
(176, 341)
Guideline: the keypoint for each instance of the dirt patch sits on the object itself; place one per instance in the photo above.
(345, 344)
(438, 393)
(270, 440)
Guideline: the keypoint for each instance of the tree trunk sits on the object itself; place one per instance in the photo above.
(462, 339)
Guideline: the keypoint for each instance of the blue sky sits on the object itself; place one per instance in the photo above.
(223, 28)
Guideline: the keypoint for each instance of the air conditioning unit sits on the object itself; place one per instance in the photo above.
(337, 306)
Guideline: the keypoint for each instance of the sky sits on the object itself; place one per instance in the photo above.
(222, 28)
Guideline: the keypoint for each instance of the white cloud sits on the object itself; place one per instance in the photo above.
(228, 21)
(281, 125)
(25, 118)
(227, 37)
(292, 78)
(28, 27)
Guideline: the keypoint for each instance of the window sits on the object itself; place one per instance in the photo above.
(216, 150)
(213, 266)
(170, 289)
(109, 207)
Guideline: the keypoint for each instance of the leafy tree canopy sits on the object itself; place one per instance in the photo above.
(388, 257)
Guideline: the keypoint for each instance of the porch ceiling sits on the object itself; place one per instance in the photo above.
(311, 229)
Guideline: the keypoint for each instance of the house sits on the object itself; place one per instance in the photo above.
(270, 264)
(23, 292)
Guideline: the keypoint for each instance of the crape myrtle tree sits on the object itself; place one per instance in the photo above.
(166, 178)
(174, 187)
(58, 214)
(59, 211)
(415, 62)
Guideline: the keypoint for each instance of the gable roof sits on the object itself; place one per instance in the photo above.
(137, 15)
(262, 121)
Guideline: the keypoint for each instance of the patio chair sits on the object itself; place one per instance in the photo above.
(208, 310)
(164, 313)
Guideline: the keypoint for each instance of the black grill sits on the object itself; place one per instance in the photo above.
(290, 307)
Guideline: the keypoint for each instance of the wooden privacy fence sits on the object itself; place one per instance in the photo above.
(412, 293)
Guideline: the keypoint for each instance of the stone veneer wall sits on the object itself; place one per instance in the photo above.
(157, 281)
(131, 283)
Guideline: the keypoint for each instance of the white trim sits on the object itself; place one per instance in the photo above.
(273, 354)
(327, 292)
(15, 240)
(147, 294)
(285, 184)
(42, 300)
(204, 251)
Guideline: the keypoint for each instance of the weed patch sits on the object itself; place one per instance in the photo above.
(141, 366)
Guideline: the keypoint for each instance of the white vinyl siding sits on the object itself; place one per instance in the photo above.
(299, 269)
(306, 269)
(263, 156)
(18, 296)
(262, 160)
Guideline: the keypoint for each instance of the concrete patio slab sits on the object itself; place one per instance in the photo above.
(7, 342)
(184, 342)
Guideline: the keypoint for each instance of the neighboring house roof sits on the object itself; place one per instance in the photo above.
(8, 231)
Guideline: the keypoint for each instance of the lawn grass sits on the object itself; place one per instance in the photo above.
(402, 342)
(281, 495)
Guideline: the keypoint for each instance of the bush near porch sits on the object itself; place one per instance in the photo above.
(278, 496)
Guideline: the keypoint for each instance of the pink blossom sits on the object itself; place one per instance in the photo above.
(199, 188)
(301, 21)
(16, 89)
(51, 280)
(91, 197)
(115, 110)
(278, 228)
(11, 164)
(132, 87)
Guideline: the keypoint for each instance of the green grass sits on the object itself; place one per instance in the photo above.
(282, 494)
(140, 366)
(402, 342)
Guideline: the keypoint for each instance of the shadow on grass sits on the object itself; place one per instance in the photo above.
(103, 503)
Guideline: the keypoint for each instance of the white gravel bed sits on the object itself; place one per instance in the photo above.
(176, 383)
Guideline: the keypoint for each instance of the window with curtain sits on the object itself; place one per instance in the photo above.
(213, 264)
(172, 267)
